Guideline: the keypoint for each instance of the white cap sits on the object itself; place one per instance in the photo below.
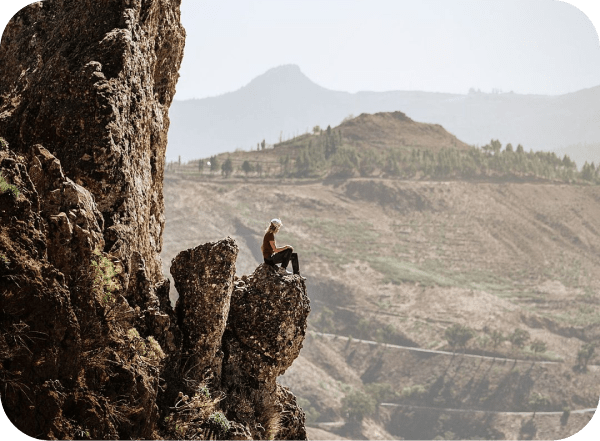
(276, 221)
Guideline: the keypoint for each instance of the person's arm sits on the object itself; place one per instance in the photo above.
(277, 250)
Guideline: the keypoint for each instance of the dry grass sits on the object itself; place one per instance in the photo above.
(497, 255)
(190, 417)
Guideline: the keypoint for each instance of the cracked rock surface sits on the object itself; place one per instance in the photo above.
(90, 345)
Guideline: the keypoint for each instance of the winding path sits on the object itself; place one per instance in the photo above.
(433, 351)
(495, 412)
(450, 410)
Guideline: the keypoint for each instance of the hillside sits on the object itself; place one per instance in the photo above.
(388, 130)
(284, 102)
(401, 262)
(390, 145)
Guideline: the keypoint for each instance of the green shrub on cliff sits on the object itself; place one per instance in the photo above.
(104, 273)
(219, 419)
(5, 187)
(196, 417)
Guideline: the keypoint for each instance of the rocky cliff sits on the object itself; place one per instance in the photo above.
(90, 346)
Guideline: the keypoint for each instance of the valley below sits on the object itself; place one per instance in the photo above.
(396, 270)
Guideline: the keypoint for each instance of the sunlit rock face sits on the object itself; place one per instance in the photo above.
(92, 82)
(67, 366)
(267, 323)
(204, 280)
(90, 346)
(85, 88)
(265, 331)
(241, 334)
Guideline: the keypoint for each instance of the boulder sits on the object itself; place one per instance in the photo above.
(204, 277)
(265, 331)
(267, 324)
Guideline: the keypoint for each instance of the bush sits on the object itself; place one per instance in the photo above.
(538, 402)
(218, 419)
(5, 187)
(324, 321)
(381, 392)
(155, 352)
(104, 273)
(312, 415)
(247, 167)
(497, 337)
(202, 390)
(227, 167)
(538, 346)
(357, 405)
(414, 391)
(195, 417)
(386, 334)
(458, 335)
(518, 338)
(585, 354)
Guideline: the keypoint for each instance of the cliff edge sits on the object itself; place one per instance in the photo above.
(90, 345)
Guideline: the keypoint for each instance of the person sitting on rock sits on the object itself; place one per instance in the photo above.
(274, 255)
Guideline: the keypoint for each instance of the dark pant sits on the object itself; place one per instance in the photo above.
(284, 257)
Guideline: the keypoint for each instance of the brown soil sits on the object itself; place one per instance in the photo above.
(419, 256)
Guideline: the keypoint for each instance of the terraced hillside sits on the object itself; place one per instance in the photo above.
(455, 291)
(401, 261)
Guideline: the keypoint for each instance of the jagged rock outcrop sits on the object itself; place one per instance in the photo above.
(258, 326)
(90, 346)
(73, 220)
(92, 82)
(267, 324)
(203, 277)
(84, 93)
(61, 334)
(265, 331)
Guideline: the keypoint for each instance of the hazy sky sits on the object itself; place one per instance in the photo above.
(527, 46)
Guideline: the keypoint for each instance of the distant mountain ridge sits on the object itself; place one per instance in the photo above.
(284, 102)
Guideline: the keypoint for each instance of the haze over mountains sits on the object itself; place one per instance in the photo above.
(284, 102)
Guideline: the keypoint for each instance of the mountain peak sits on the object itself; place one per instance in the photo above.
(284, 69)
(287, 75)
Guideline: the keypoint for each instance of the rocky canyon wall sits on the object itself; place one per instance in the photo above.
(90, 345)
(92, 81)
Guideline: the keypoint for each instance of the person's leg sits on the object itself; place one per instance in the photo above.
(295, 265)
(287, 254)
(282, 257)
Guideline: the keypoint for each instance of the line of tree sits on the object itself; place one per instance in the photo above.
(327, 154)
